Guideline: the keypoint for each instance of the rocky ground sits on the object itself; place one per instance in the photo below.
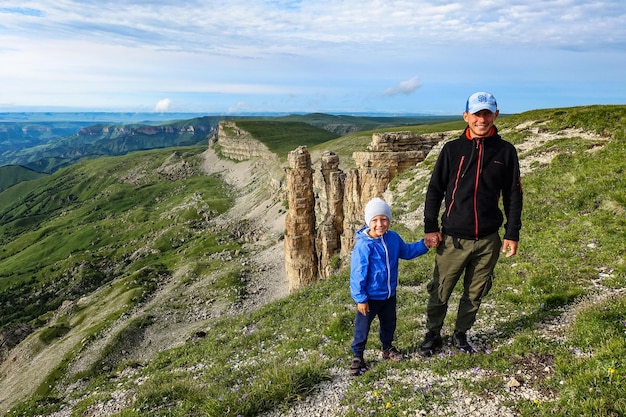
(328, 400)
(264, 228)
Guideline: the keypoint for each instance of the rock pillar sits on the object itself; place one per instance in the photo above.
(300, 253)
(330, 211)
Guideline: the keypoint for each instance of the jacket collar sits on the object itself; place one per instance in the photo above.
(493, 132)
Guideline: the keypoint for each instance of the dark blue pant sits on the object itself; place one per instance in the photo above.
(386, 312)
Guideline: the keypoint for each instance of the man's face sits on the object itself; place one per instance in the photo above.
(480, 123)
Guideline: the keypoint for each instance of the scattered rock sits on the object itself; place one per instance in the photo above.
(513, 383)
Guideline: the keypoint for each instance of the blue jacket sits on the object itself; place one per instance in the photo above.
(374, 264)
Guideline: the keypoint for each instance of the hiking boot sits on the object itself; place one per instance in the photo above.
(459, 341)
(357, 366)
(432, 342)
(392, 354)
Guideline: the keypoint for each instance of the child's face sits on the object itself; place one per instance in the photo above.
(378, 226)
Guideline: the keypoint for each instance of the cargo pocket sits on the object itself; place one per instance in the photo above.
(439, 289)
(431, 287)
(488, 285)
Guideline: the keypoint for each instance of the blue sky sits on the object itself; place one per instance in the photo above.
(337, 56)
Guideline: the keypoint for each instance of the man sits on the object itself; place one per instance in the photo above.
(472, 174)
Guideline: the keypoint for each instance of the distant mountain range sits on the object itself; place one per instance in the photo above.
(96, 117)
(149, 117)
(48, 146)
(45, 142)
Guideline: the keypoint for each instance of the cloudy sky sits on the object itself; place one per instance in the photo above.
(340, 56)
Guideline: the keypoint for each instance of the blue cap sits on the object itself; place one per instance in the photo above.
(481, 101)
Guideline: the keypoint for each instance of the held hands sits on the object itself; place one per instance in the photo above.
(432, 240)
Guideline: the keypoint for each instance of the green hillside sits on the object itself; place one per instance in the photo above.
(345, 124)
(12, 174)
(65, 235)
(282, 137)
(110, 233)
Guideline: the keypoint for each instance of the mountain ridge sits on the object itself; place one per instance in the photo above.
(46, 142)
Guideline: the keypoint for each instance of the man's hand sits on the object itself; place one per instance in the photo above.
(509, 247)
(433, 239)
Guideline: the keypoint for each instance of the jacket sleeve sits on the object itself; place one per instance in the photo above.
(512, 200)
(359, 265)
(412, 250)
(436, 192)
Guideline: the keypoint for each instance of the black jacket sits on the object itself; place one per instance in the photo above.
(472, 175)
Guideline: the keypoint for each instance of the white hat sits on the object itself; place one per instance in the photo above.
(376, 207)
(481, 101)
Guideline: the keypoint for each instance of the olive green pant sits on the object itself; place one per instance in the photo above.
(476, 259)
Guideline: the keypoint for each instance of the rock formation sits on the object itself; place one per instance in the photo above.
(340, 199)
(300, 254)
(326, 205)
(329, 210)
(238, 144)
(11, 335)
(362, 184)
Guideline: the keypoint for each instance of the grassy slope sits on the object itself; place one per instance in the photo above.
(331, 122)
(282, 137)
(573, 240)
(12, 174)
(65, 235)
(103, 235)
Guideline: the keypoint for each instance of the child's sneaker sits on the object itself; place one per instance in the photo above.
(358, 366)
(392, 354)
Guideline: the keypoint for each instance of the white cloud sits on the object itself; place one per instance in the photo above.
(404, 87)
(163, 106)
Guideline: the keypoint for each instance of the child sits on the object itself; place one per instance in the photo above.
(374, 278)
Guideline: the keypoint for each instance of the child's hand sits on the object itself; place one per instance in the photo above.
(363, 308)
(432, 239)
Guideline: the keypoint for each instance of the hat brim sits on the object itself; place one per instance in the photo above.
(476, 109)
